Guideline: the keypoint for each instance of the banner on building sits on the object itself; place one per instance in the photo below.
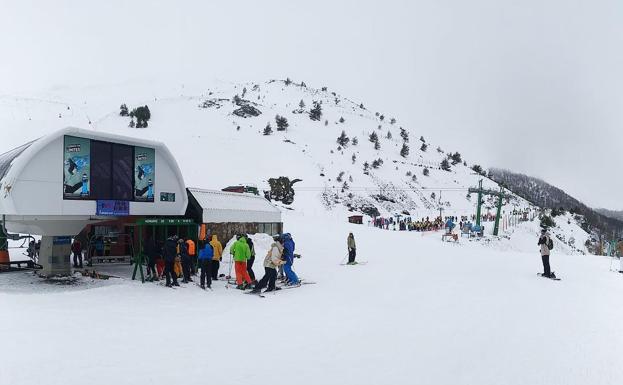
(76, 168)
(144, 174)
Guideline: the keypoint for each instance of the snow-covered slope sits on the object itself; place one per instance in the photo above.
(216, 148)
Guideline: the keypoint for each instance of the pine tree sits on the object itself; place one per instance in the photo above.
(355, 141)
(373, 137)
(343, 140)
(456, 158)
(377, 145)
(341, 119)
(354, 158)
(282, 123)
(268, 129)
(132, 124)
(366, 168)
(123, 110)
(404, 135)
(445, 165)
(389, 135)
(423, 147)
(404, 152)
(392, 121)
(316, 112)
(302, 104)
(425, 171)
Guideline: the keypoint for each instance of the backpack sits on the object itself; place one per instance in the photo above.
(550, 244)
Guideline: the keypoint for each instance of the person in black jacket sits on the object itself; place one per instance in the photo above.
(251, 259)
(186, 260)
(151, 252)
(170, 252)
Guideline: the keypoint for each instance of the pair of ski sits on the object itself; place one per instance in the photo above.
(552, 278)
(283, 287)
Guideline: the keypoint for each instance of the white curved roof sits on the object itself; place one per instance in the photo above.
(221, 206)
(31, 184)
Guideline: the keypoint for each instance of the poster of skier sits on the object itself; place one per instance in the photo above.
(144, 174)
(76, 168)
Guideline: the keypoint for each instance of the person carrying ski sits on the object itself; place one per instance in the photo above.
(170, 253)
(546, 244)
(205, 263)
(352, 249)
(217, 247)
(271, 262)
(240, 250)
(76, 249)
(288, 257)
(251, 260)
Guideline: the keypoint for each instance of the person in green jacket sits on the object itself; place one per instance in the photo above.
(241, 252)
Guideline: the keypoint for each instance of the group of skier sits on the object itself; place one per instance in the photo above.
(182, 258)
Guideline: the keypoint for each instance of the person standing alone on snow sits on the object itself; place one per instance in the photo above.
(546, 244)
(352, 249)
(620, 249)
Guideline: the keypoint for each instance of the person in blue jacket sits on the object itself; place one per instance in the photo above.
(205, 262)
(450, 225)
(288, 256)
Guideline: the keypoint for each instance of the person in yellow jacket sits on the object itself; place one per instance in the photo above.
(218, 255)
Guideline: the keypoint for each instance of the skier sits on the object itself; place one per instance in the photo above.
(352, 249)
(151, 251)
(190, 246)
(271, 262)
(76, 249)
(620, 249)
(205, 262)
(251, 260)
(288, 257)
(546, 244)
(170, 253)
(240, 250)
(186, 262)
(217, 247)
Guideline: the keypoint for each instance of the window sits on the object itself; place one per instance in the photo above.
(122, 172)
(101, 170)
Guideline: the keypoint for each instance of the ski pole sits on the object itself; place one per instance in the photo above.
(344, 259)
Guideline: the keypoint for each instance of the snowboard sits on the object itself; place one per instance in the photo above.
(354, 264)
(553, 279)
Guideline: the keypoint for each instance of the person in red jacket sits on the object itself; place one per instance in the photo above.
(76, 249)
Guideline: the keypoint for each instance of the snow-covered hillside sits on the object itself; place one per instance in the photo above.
(216, 147)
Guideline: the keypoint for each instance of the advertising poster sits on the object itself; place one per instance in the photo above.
(76, 168)
(144, 174)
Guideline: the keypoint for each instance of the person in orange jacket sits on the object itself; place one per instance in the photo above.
(192, 253)
(218, 255)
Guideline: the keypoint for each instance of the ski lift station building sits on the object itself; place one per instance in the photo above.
(73, 179)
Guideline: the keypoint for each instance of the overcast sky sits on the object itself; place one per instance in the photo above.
(529, 85)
